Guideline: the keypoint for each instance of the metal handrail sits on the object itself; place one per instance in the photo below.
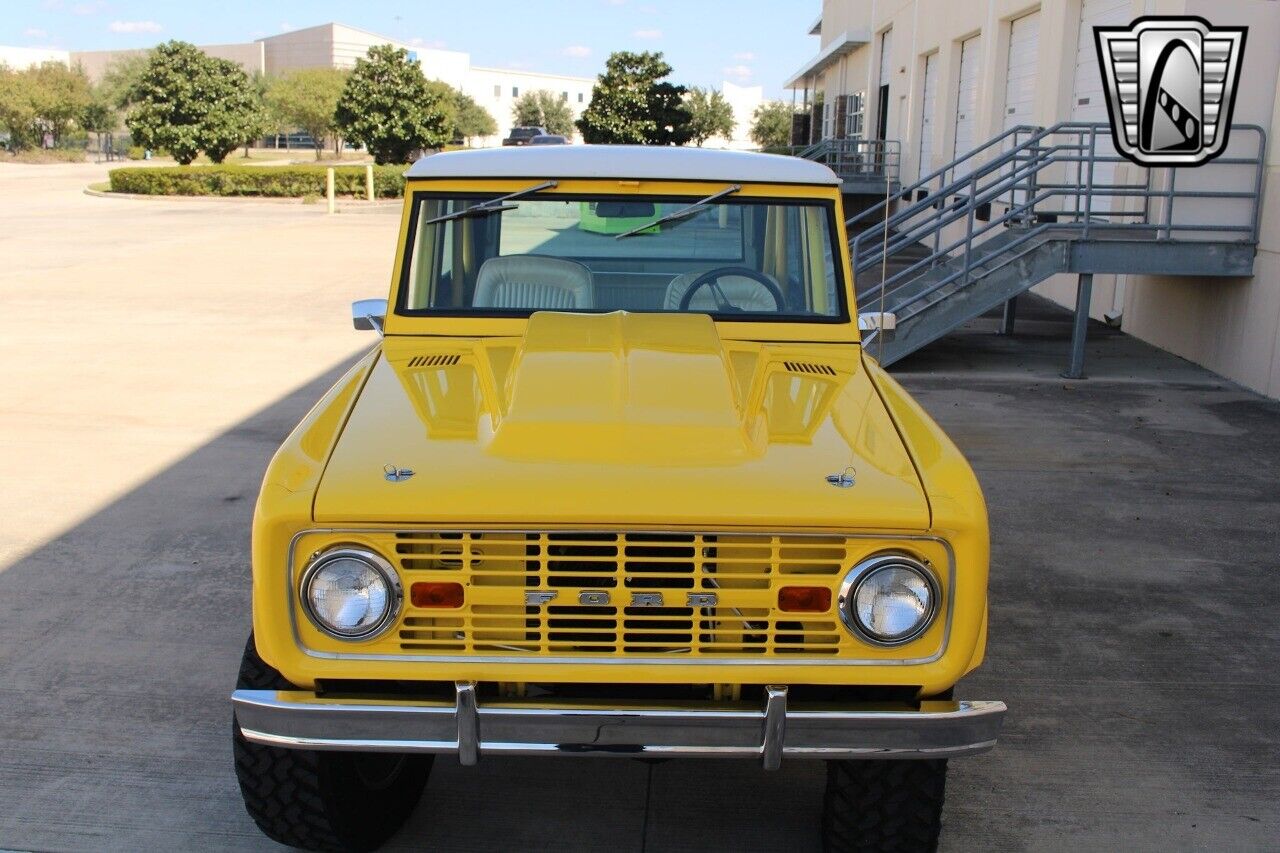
(923, 183)
(957, 185)
(1026, 162)
(855, 157)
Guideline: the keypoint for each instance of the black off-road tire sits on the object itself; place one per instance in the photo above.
(331, 801)
(883, 806)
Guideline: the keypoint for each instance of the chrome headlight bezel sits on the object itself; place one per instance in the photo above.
(375, 561)
(864, 570)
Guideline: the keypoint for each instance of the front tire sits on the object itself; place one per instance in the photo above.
(883, 806)
(331, 801)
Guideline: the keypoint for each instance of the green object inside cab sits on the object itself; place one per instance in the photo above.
(618, 217)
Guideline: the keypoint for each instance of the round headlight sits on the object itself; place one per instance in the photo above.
(889, 600)
(350, 593)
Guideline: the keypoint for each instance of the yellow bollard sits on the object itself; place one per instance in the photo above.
(328, 188)
(368, 182)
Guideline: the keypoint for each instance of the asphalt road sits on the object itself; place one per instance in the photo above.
(155, 353)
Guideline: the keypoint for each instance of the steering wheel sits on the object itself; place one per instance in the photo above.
(711, 279)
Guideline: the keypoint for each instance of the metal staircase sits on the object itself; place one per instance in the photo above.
(863, 165)
(1034, 202)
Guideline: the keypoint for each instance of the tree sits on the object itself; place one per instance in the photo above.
(388, 107)
(771, 124)
(447, 98)
(543, 108)
(307, 99)
(235, 116)
(99, 115)
(121, 75)
(59, 96)
(472, 119)
(710, 115)
(185, 102)
(631, 103)
(17, 112)
(45, 99)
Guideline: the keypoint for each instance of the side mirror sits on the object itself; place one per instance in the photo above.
(873, 323)
(369, 314)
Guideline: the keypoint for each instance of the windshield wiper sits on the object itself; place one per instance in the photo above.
(682, 213)
(493, 205)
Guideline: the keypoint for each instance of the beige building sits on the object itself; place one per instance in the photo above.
(334, 45)
(942, 77)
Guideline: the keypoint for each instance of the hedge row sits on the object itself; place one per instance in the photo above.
(231, 180)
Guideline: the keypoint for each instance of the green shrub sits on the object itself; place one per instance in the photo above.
(275, 181)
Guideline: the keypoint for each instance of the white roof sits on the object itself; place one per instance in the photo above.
(625, 162)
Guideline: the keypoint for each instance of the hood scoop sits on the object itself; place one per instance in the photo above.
(652, 389)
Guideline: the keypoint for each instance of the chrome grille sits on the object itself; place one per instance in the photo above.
(744, 572)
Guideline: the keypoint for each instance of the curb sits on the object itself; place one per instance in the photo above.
(343, 204)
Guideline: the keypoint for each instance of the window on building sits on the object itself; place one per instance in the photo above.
(579, 97)
(564, 96)
(497, 90)
(515, 91)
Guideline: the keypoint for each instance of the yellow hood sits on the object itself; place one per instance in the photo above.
(620, 419)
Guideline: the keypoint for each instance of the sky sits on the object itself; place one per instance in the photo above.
(748, 42)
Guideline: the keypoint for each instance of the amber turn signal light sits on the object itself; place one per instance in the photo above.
(436, 594)
(804, 599)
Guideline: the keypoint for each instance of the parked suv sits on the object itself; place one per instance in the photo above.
(522, 135)
(618, 478)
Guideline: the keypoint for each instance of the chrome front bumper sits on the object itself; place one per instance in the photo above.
(302, 720)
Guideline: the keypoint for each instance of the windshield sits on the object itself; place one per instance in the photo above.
(734, 258)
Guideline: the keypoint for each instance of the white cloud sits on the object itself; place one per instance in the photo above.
(577, 51)
(738, 72)
(648, 34)
(34, 33)
(746, 56)
(134, 27)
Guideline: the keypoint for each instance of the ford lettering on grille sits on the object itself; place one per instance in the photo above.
(612, 593)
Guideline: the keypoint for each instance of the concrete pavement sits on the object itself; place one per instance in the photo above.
(157, 352)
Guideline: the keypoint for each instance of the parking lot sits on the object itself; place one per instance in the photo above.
(156, 352)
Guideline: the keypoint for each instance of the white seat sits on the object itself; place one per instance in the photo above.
(534, 283)
(745, 293)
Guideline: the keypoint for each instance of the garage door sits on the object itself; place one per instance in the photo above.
(927, 105)
(1088, 100)
(1020, 79)
(1088, 103)
(967, 95)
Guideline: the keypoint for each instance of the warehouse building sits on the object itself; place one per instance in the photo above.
(334, 45)
(932, 81)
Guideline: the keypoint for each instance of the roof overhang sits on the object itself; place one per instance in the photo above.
(815, 29)
(842, 45)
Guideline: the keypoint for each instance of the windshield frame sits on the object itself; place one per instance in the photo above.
(839, 327)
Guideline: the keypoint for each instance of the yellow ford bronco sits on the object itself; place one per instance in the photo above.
(618, 479)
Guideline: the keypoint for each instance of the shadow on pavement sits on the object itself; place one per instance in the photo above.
(119, 648)
(1133, 634)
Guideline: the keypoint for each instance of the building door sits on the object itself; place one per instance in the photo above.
(886, 74)
(1020, 82)
(1020, 78)
(1088, 100)
(967, 96)
(928, 103)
